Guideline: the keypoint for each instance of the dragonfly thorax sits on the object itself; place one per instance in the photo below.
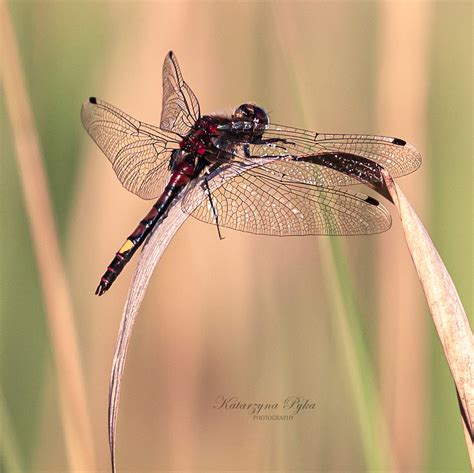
(180, 156)
(197, 140)
(194, 142)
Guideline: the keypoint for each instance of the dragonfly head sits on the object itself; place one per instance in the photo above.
(254, 114)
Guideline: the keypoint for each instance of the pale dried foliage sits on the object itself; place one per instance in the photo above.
(149, 257)
(444, 303)
(445, 306)
(153, 250)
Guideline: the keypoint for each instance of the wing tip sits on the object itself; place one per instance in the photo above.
(416, 157)
(399, 142)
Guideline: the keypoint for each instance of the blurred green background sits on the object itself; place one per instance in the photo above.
(342, 322)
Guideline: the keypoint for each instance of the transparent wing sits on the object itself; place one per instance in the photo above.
(139, 153)
(180, 106)
(257, 201)
(340, 159)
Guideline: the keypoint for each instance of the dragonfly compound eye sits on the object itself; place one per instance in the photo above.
(254, 114)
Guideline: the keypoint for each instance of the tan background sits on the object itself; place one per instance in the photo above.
(340, 321)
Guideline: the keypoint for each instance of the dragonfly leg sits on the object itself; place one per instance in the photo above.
(247, 150)
(213, 208)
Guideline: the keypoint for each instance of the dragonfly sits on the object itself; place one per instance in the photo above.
(241, 171)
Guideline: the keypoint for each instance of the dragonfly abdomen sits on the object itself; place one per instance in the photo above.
(181, 176)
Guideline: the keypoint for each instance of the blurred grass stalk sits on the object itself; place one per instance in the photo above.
(372, 423)
(74, 412)
(445, 306)
(398, 54)
(9, 454)
(402, 82)
(370, 415)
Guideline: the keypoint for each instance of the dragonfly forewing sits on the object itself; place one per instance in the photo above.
(328, 159)
(139, 152)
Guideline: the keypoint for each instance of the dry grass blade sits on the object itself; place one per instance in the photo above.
(74, 412)
(445, 306)
(150, 255)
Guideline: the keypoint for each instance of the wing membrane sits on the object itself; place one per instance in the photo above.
(139, 152)
(255, 200)
(180, 106)
(341, 159)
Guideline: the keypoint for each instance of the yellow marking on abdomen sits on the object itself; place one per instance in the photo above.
(128, 245)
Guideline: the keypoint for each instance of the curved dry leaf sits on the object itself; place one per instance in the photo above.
(153, 250)
(443, 300)
(446, 308)
(149, 257)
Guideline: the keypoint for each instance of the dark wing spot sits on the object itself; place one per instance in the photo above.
(92, 100)
(399, 142)
(372, 201)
